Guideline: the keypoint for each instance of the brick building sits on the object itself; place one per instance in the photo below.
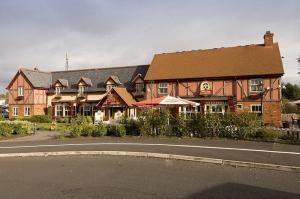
(240, 79)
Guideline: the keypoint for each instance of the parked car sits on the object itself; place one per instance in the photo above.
(4, 111)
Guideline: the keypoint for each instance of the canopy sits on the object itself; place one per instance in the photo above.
(166, 100)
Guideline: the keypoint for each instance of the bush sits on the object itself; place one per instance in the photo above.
(100, 130)
(178, 126)
(132, 126)
(87, 129)
(267, 134)
(5, 129)
(87, 119)
(40, 119)
(75, 130)
(20, 129)
(117, 130)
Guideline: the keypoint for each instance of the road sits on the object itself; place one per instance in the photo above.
(271, 153)
(130, 177)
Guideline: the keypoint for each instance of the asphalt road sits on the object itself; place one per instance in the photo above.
(130, 177)
(223, 149)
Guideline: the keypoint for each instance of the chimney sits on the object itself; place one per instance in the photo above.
(268, 37)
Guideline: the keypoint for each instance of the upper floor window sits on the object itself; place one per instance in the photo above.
(27, 111)
(256, 85)
(163, 88)
(20, 91)
(15, 111)
(81, 90)
(57, 90)
(139, 88)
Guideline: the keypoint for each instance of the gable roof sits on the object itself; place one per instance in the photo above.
(114, 78)
(122, 93)
(63, 82)
(37, 78)
(86, 80)
(219, 62)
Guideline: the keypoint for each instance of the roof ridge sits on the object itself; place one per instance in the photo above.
(112, 67)
(32, 70)
(209, 49)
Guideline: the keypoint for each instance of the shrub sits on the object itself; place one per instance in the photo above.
(40, 119)
(5, 129)
(75, 130)
(178, 126)
(267, 134)
(87, 119)
(100, 130)
(117, 130)
(87, 129)
(132, 126)
(20, 129)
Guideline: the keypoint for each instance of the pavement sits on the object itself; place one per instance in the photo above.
(38, 136)
(249, 151)
(131, 177)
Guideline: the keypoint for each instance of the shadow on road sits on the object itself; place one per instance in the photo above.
(237, 191)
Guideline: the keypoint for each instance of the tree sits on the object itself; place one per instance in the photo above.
(290, 91)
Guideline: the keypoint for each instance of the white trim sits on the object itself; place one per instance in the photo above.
(27, 111)
(256, 84)
(20, 91)
(256, 111)
(15, 111)
(160, 87)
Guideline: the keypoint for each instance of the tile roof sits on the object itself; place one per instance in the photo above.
(125, 95)
(37, 78)
(219, 62)
(63, 82)
(98, 76)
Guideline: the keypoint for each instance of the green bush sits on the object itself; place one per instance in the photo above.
(19, 129)
(87, 129)
(178, 126)
(267, 134)
(117, 130)
(87, 119)
(100, 130)
(132, 126)
(40, 119)
(5, 129)
(75, 130)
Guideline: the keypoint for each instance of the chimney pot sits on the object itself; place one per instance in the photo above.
(268, 38)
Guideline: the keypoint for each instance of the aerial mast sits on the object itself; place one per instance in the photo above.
(67, 62)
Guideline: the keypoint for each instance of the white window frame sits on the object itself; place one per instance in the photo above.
(87, 110)
(59, 109)
(256, 85)
(15, 111)
(163, 88)
(20, 91)
(67, 110)
(81, 90)
(257, 105)
(57, 90)
(212, 108)
(27, 111)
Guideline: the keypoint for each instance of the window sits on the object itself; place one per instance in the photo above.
(57, 90)
(139, 88)
(67, 111)
(215, 108)
(20, 91)
(163, 88)
(87, 110)
(205, 86)
(81, 90)
(239, 106)
(58, 110)
(15, 111)
(109, 86)
(256, 85)
(27, 111)
(256, 108)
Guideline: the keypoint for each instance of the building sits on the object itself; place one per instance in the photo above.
(239, 79)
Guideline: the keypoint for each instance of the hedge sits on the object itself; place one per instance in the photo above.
(16, 127)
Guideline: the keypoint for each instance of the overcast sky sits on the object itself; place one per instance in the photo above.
(98, 33)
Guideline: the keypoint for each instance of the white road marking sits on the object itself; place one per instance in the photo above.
(149, 144)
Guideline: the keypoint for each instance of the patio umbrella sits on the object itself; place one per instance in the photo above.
(166, 100)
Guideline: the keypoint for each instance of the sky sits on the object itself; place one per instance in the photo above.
(107, 33)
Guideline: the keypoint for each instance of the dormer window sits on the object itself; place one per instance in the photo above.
(139, 88)
(81, 89)
(57, 90)
(111, 82)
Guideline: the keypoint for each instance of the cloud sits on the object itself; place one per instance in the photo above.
(112, 33)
